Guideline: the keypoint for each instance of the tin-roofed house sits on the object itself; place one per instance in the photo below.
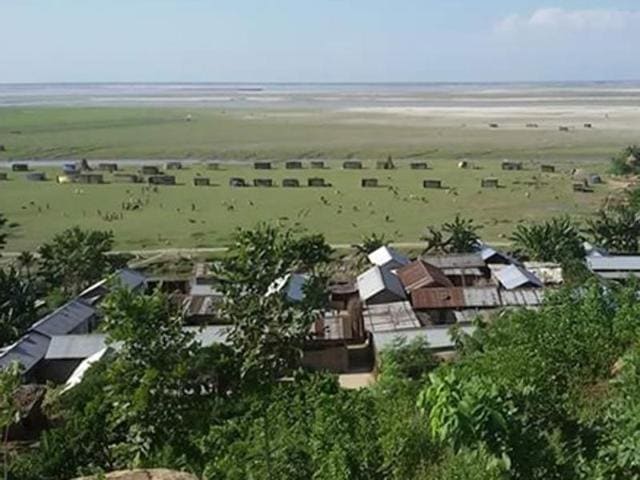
(387, 256)
(615, 267)
(380, 285)
(419, 274)
(514, 277)
(463, 269)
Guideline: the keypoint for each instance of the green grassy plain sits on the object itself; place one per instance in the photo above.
(189, 216)
(240, 134)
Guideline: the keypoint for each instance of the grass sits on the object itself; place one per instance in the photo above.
(241, 134)
(189, 216)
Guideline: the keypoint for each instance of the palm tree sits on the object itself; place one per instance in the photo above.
(26, 260)
(556, 240)
(616, 228)
(458, 236)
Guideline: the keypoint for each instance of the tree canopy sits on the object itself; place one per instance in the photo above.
(458, 236)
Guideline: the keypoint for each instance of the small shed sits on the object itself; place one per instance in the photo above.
(4, 176)
(493, 125)
(20, 167)
(547, 168)
(162, 180)
(432, 183)
(318, 164)
(386, 256)
(563, 129)
(36, 177)
(316, 182)
(90, 178)
(588, 125)
(385, 165)
(290, 182)
(595, 179)
(213, 166)
(126, 178)
(108, 167)
(201, 181)
(379, 285)
(237, 182)
(514, 276)
(532, 125)
(369, 183)
(463, 164)
(150, 170)
(419, 166)
(352, 165)
(262, 165)
(262, 182)
(508, 165)
(174, 166)
(489, 183)
(293, 165)
(69, 168)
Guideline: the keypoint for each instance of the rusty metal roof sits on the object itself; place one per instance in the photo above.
(457, 297)
(419, 274)
(458, 260)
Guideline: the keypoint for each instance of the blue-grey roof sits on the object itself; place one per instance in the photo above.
(130, 279)
(439, 338)
(619, 263)
(377, 280)
(514, 276)
(27, 351)
(65, 319)
(489, 253)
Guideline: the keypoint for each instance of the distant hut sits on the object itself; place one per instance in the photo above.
(69, 168)
(201, 182)
(547, 168)
(90, 178)
(4, 176)
(174, 166)
(237, 182)
(386, 164)
(490, 182)
(20, 167)
(262, 182)
(588, 125)
(369, 183)
(563, 129)
(318, 164)
(432, 184)
(213, 166)
(293, 165)
(150, 170)
(108, 167)
(463, 164)
(316, 182)
(262, 165)
(419, 166)
(2, 148)
(508, 165)
(36, 177)
(162, 180)
(126, 178)
(532, 125)
(352, 165)
(595, 179)
(291, 182)
(493, 125)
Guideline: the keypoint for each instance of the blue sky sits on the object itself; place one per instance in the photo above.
(318, 40)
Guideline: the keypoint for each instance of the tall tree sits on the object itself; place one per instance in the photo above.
(268, 329)
(75, 259)
(17, 304)
(458, 236)
(556, 240)
(616, 228)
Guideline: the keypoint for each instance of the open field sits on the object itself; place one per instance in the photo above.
(151, 132)
(189, 216)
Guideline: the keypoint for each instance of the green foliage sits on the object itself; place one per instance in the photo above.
(556, 240)
(268, 330)
(459, 236)
(17, 304)
(3, 235)
(412, 360)
(75, 259)
(9, 409)
(616, 228)
(627, 162)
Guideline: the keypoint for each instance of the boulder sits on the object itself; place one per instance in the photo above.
(146, 474)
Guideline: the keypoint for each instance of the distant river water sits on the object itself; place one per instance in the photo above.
(321, 96)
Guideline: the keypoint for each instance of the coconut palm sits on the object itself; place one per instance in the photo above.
(457, 236)
(556, 240)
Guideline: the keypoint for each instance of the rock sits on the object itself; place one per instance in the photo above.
(150, 474)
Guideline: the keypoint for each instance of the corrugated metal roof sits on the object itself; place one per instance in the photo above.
(390, 316)
(27, 351)
(292, 284)
(481, 297)
(513, 276)
(439, 338)
(524, 297)
(65, 319)
(419, 274)
(77, 347)
(377, 280)
(457, 297)
(614, 263)
(131, 279)
(458, 260)
(491, 255)
(386, 255)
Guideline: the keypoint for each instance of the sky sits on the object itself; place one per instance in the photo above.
(318, 40)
